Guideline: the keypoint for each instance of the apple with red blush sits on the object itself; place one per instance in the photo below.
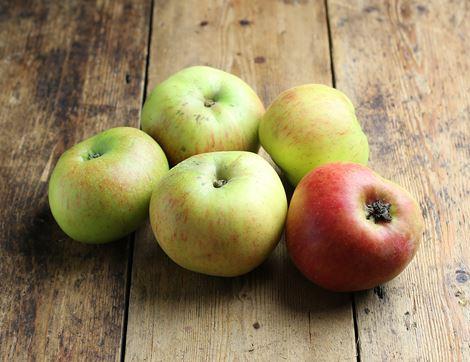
(349, 229)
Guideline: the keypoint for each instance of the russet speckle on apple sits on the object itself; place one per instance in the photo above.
(219, 213)
(311, 125)
(100, 189)
(202, 109)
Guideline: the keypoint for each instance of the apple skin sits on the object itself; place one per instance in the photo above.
(202, 109)
(310, 125)
(222, 231)
(331, 240)
(97, 200)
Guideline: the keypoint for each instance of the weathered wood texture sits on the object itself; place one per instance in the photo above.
(405, 64)
(67, 70)
(272, 313)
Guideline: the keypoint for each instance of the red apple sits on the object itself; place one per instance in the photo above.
(350, 229)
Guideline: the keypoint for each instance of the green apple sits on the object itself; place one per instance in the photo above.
(100, 188)
(202, 109)
(219, 213)
(311, 125)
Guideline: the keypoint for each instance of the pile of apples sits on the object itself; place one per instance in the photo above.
(221, 209)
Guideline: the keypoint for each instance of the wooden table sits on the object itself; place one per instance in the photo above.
(71, 68)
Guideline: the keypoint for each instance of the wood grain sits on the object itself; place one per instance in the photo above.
(405, 64)
(272, 313)
(67, 70)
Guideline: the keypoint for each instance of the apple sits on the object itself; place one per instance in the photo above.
(310, 125)
(201, 109)
(100, 189)
(219, 213)
(350, 229)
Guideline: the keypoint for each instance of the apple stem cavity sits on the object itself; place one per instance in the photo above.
(208, 103)
(219, 183)
(379, 211)
(93, 155)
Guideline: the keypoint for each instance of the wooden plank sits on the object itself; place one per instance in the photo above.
(67, 70)
(405, 63)
(273, 313)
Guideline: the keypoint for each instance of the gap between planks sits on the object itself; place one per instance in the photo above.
(333, 82)
(130, 260)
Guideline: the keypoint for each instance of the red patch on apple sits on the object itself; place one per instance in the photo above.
(349, 229)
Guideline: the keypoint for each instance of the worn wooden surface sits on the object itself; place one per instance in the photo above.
(272, 313)
(410, 81)
(69, 69)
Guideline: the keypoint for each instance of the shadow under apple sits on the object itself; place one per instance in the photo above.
(170, 295)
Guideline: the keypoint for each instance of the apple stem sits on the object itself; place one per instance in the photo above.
(93, 155)
(379, 211)
(219, 183)
(208, 103)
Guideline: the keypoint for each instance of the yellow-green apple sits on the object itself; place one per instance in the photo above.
(350, 229)
(201, 109)
(311, 125)
(219, 213)
(100, 188)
